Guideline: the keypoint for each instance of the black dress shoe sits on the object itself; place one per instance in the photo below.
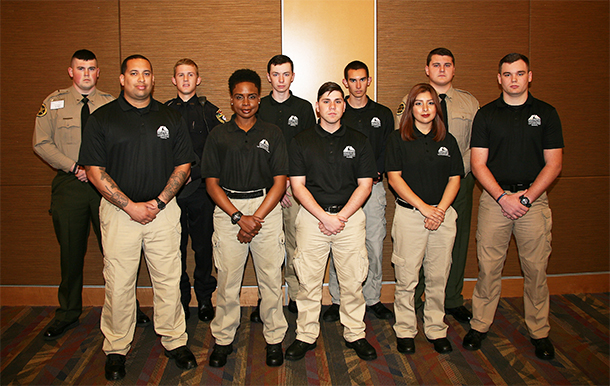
(255, 316)
(461, 314)
(405, 345)
(472, 340)
(206, 311)
(292, 307)
(275, 355)
(363, 348)
(183, 356)
(141, 319)
(114, 369)
(544, 348)
(380, 311)
(298, 349)
(331, 314)
(58, 329)
(220, 354)
(441, 345)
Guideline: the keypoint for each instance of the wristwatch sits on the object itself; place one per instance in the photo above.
(160, 204)
(235, 217)
(525, 201)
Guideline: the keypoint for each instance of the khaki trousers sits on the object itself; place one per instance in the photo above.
(533, 235)
(230, 257)
(290, 231)
(374, 210)
(351, 262)
(123, 241)
(415, 246)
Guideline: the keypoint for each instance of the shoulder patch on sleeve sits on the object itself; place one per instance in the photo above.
(220, 116)
(401, 108)
(43, 111)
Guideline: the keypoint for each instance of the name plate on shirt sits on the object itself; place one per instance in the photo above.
(57, 104)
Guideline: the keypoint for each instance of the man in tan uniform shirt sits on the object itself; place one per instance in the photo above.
(74, 202)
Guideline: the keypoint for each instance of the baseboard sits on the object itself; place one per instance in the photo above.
(511, 287)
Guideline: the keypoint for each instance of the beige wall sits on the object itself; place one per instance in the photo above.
(567, 42)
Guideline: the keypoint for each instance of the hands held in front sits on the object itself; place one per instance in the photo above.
(250, 226)
(332, 224)
(512, 207)
(143, 212)
(434, 217)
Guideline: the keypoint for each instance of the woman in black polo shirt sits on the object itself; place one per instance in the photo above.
(424, 167)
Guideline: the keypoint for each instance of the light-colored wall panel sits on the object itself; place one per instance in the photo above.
(322, 37)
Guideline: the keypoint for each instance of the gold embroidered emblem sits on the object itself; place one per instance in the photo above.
(43, 111)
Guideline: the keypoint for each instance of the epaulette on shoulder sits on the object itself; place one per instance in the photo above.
(61, 91)
(464, 92)
(203, 99)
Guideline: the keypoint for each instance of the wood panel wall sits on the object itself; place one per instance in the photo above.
(566, 41)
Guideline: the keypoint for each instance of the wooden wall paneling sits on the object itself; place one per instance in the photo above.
(569, 61)
(475, 31)
(219, 36)
(38, 39)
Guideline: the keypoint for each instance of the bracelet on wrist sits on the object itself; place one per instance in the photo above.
(502, 195)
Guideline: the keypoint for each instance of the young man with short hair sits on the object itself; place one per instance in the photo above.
(197, 207)
(517, 153)
(332, 169)
(458, 108)
(74, 201)
(376, 121)
(138, 154)
(245, 166)
(293, 115)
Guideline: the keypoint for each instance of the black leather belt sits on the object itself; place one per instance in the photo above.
(244, 195)
(333, 208)
(514, 188)
(404, 204)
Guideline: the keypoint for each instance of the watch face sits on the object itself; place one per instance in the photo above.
(525, 201)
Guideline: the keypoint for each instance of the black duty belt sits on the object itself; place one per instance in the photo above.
(244, 195)
(404, 204)
(333, 208)
(514, 188)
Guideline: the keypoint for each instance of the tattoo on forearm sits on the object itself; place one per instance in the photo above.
(113, 194)
(175, 182)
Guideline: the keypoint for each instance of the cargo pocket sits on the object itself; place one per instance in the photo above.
(217, 251)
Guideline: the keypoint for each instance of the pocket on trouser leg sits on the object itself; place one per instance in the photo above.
(217, 251)
(364, 263)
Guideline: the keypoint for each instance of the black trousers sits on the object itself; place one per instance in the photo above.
(197, 222)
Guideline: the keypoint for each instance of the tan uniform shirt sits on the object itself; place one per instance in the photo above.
(57, 134)
(461, 109)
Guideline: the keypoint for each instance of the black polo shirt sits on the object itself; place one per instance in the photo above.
(138, 147)
(516, 137)
(331, 163)
(292, 116)
(245, 161)
(426, 165)
(201, 117)
(374, 120)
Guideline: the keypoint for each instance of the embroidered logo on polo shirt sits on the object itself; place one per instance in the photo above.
(534, 120)
(263, 144)
(163, 132)
(376, 122)
(349, 152)
(293, 121)
(443, 152)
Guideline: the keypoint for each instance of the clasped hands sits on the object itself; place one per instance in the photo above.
(249, 227)
(332, 224)
(434, 217)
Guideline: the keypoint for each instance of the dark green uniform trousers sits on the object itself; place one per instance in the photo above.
(74, 207)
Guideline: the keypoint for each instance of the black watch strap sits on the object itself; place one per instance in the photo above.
(160, 204)
(235, 217)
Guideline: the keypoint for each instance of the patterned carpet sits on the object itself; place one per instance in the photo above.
(579, 329)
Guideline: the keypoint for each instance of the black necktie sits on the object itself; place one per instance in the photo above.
(444, 108)
(84, 113)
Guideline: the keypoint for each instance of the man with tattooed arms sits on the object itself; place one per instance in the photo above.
(137, 152)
